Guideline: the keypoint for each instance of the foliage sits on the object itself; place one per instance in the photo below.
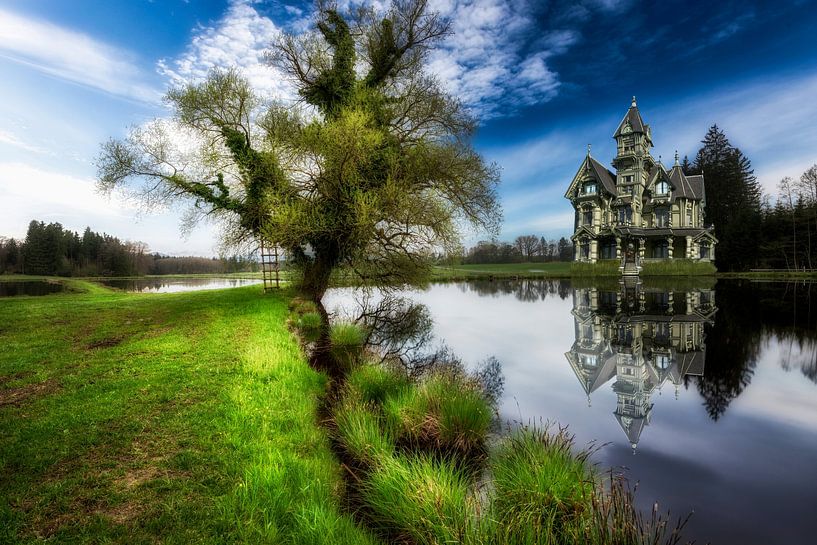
(361, 432)
(525, 248)
(374, 173)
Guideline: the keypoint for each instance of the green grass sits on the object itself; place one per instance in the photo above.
(677, 267)
(360, 430)
(604, 267)
(180, 418)
(556, 269)
(374, 383)
(542, 488)
(420, 498)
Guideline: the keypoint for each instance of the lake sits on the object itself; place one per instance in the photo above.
(706, 393)
(175, 285)
(29, 287)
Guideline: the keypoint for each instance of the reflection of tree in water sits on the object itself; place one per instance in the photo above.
(401, 330)
(751, 312)
(528, 291)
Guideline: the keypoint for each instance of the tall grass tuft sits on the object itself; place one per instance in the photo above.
(420, 499)
(373, 383)
(541, 487)
(446, 412)
(359, 430)
(347, 340)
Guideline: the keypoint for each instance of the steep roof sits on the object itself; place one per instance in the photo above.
(684, 187)
(634, 117)
(606, 177)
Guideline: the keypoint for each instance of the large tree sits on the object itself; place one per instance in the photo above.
(372, 170)
(733, 199)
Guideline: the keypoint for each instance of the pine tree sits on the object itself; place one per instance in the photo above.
(733, 199)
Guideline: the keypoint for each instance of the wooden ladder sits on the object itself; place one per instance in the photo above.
(270, 266)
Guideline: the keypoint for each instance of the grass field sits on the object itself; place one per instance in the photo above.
(177, 418)
(557, 269)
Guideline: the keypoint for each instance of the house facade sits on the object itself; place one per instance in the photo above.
(643, 211)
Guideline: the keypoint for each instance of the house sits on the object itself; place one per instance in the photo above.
(642, 211)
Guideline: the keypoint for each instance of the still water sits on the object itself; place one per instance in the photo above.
(29, 287)
(175, 285)
(706, 394)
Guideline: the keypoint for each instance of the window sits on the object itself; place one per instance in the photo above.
(705, 250)
(689, 217)
(585, 250)
(589, 188)
(661, 217)
(661, 250)
(662, 188)
(625, 214)
(587, 217)
(662, 361)
(608, 250)
(628, 179)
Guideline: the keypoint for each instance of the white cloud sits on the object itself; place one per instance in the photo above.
(72, 56)
(488, 62)
(239, 39)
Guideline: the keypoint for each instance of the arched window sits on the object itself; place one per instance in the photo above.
(662, 188)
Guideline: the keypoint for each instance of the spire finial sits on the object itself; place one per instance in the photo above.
(588, 149)
(633, 105)
(676, 158)
(659, 157)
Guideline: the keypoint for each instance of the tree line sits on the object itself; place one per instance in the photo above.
(524, 249)
(50, 249)
(755, 230)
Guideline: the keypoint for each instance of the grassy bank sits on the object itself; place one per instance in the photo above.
(178, 418)
(556, 269)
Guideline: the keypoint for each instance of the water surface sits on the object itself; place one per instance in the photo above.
(175, 285)
(29, 287)
(707, 394)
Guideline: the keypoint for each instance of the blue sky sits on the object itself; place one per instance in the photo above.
(545, 78)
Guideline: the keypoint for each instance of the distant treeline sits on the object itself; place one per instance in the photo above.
(525, 248)
(49, 249)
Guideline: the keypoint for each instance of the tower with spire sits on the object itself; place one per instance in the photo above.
(642, 211)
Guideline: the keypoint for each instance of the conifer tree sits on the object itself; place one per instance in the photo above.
(733, 199)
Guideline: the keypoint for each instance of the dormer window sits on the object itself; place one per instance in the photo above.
(589, 188)
(662, 188)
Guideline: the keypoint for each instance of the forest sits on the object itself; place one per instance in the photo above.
(50, 249)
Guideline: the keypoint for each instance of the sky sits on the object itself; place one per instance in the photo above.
(545, 79)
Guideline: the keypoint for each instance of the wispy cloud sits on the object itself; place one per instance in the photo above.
(72, 56)
(11, 139)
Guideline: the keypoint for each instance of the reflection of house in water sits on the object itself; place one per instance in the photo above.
(643, 338)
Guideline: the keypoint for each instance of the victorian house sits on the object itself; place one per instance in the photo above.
(643, 211)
